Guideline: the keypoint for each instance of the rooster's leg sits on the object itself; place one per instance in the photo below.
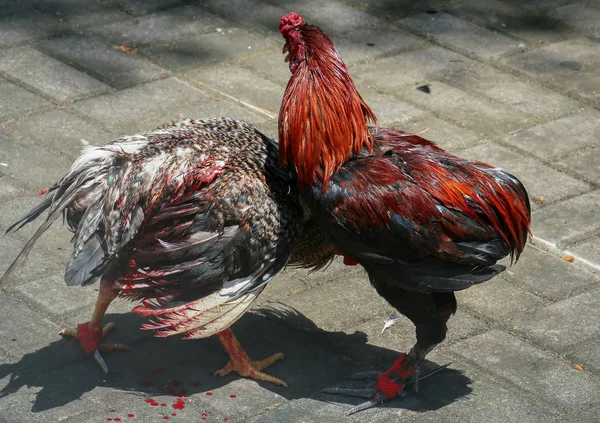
(90, 334)
(429, 313)
(242, 364)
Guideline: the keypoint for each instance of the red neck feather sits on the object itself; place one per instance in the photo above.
(323, 119)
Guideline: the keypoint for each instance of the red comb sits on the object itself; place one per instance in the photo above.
(288, 22)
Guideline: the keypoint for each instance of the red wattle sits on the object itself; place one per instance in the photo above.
(89, 339)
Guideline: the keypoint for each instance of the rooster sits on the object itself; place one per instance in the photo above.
(194, 218)
(422, 222)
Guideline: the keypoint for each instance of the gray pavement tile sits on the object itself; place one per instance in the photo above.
(307, 410)
(61, 131)
(255, 13)
(366, 42)
(241, 84)
(445, 134)
(532, 369)
(199, 50)
(567, 221)
(548, 275)
(591, 415)
(32, 166)
(103, 61)
(30, 332)
(18, 409)
(81, 14)
(570, 66)
(39, 265)
(582, 15)
(389, 109)
(510, 91)
(513, 19)
(165, 26)
(243, 398)
(487, 400)
(15, 101)
(26, 27)
(49, 76)
(147, 106)
(354, 292)
(143, 7)
(476, 114)
(499, 300)
(417, 67)
(53, 295)
(269, 64)
(334, 17)
(7, 187)
(459, 34)
(401, 8)
(584, 163)
(563, 325)
(550, 141)
(539, 179)
(588, 250)
(587, 355)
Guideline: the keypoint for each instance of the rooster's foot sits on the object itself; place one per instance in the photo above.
(90, 338)
(245, 367)
(375, 396)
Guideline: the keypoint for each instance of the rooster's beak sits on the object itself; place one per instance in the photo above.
(286, 48)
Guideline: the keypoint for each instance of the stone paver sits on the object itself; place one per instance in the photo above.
(106, 62)
(567, 221)
(569, 66)
(462, 35)
(515, 360)
(49, 76)
(509, 82)
(16, 101)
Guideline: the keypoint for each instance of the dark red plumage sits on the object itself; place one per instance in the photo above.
(423, 222)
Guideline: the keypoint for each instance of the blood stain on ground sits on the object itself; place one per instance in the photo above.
(179, 405)
(208, 394)
(130, 415)
(152, 402)
(232, 396)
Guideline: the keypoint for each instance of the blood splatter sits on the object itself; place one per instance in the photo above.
(179, 405)
(181, 394)
(109, 419)
(117, 419)
(166, 417)
(163, 405)
(147, 383)
(209, 394)
(111, 411)
(42, 191)
(152, 402)
(204, 414)
(173, 414)
(175, 383)
(14, 339)
(195, 384)
(130, 415)
(225, 419)
(232, 396)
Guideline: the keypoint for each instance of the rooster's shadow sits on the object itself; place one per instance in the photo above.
(314, 359)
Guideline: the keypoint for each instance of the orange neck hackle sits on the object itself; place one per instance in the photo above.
(323, 119)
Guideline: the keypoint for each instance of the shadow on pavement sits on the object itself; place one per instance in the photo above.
(314, 359)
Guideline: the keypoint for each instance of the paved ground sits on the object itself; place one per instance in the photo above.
(514, 83)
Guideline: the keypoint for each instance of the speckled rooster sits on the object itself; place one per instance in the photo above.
(421, 221)
(194, 218)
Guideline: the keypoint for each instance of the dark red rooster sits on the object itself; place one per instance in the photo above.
(195, 218)
(421, 221)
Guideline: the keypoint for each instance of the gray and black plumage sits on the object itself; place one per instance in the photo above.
(194, 217)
